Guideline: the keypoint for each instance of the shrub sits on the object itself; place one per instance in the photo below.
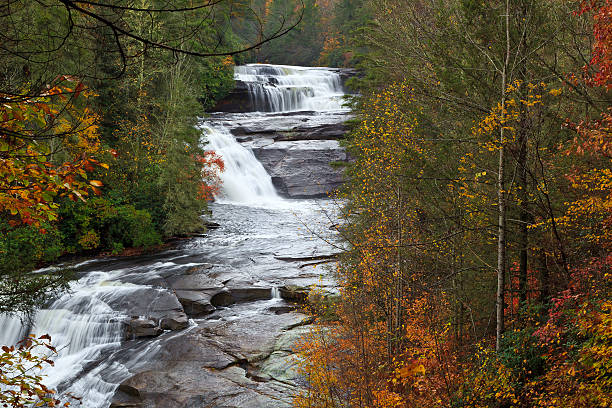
(101, 224)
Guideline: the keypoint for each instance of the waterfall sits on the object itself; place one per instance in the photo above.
(275, 293)
(13, 330)
(84, 328)
(244, 179)
(271, 88)
(86, 324)
(278, 88)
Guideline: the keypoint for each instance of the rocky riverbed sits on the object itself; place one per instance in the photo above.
(300, 150)
(214, 321)
(237, 350)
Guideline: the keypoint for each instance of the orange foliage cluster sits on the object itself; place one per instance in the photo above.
(599, 71)
(47, 148)
(212, 166)
(21, 385)
(593, 181)
(390, 345)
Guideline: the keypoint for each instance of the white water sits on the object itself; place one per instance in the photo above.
(279, 88)
(244, 179)
(84, 328)
(12, 330)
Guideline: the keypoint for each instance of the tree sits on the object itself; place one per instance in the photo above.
(48, 148)
(531, 40)
(21, 385)
(471, 217)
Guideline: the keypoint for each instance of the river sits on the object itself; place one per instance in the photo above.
(207, 324)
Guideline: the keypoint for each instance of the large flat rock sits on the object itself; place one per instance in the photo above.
(217, 365)
(303, 169)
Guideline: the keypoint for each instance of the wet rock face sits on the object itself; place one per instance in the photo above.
(294, 293)
(239, 363)
(154, 303)
(303, 169)
(300, 150)
(195, 303)
(177, 321)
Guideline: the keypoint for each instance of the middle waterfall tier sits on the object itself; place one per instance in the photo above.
(244, 179)
(314, 96)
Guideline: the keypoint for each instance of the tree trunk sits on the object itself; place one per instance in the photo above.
(501, 197)
(524, 217)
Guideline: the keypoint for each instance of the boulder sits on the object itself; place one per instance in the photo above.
(187, 384)
(249, 294)
(222, 299)
(193, 371)
(283, 309)
(138, 328)
(294, 293)
(116, 403)
(307, 131)
(280, 366)
(303, 169)
(176, 321)
(195, 303)
(195, 281)
(332, 131)
(155, 303)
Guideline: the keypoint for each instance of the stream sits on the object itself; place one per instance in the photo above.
(210, 323)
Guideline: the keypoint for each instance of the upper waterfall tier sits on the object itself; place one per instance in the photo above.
(279, 88)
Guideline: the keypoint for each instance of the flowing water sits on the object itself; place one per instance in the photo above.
(244, 179)
(283, 88)
(248, 255)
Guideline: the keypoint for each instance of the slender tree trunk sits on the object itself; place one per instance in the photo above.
(400, 275)
(501, 248)
(524, 209)
(544, 278)
(501, 196)
(525, 216)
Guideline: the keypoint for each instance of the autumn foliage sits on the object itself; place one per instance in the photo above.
(19, 365)
(48, 145)
(212, 165)
(414, 324)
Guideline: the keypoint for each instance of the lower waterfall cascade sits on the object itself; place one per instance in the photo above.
(257, 250)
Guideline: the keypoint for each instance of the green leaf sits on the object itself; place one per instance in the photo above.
(47, 196)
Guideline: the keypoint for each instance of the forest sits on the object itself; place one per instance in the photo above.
(475, 213)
